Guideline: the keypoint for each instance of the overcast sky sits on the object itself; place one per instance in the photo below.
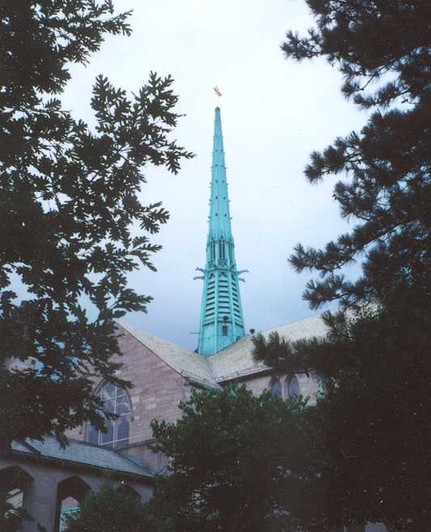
(274, 113)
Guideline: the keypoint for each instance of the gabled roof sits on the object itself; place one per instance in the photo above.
(80, 454)
(232, 362)
(237, 359)
(184, 361)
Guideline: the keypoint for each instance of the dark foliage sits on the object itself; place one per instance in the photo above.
(239, 463)
(69, 198)
(383, 50)
(115, 508)
(11, 514)
(374, 412)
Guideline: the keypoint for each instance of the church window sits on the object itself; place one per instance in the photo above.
(71, 493)
(292, 387)
(92, 435)
(123, 430)
(15, 484)
(276, 387)
(107, 437)
(116, 401)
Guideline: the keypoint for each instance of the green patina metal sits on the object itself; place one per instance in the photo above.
(222, 321)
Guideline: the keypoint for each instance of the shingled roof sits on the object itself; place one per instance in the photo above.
(237, 359)
(232, 362)
(80, 453)
(182, 360)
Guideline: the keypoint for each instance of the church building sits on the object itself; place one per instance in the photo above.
(163, 374)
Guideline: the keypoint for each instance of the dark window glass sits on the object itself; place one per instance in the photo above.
(224, 330)
(293, 387)
(108, 436)
(93, 435)
(276, 388)
(117, 402)
(122, 405)
(123, 430)
(108, 391)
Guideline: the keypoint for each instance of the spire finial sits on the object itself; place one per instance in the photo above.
(217, 91)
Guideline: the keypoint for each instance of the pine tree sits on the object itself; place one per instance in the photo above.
(372, 419)
(373, 416)
(69, 199)
(383, 49)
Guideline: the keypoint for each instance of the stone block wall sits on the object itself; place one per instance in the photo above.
(308, 385)
(156, 394)
(157, 391)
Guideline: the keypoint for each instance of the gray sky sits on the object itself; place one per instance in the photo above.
(274, 113)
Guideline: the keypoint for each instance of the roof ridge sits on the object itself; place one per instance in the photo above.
(290, 323)
(132, 331)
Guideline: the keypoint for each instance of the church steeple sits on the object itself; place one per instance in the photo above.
(222, 321)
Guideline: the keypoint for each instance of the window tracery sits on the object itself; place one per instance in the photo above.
(116, 401)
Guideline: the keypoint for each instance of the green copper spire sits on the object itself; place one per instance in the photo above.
(222, 322)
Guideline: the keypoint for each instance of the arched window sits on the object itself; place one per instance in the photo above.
(292, 387)
(276, 388)
(71, 493)
(116, 401)
(14, 484)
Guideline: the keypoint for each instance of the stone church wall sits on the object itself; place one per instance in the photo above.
(157, 391)
(44, 485)
(308, 385)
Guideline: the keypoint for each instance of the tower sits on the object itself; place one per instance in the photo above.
(222, 321)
